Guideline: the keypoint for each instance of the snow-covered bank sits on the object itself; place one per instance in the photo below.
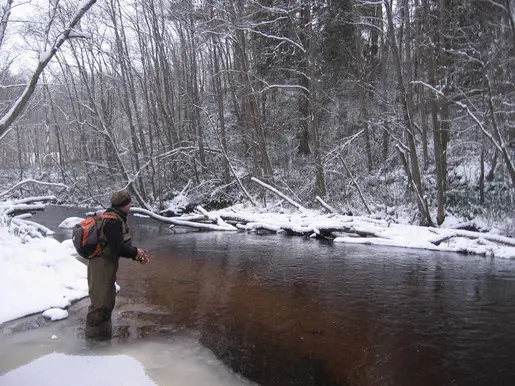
(38, 275)
(348, 229)
(363, 230)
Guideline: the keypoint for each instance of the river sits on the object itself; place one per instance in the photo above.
(281, 310)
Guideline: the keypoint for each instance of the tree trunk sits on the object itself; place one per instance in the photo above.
(425, 216)
(249, 98)
(216, 53)
(4, 20)
(313, 128)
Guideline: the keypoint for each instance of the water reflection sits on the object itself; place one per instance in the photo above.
(289, 311)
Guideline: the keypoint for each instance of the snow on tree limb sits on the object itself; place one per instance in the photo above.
(5, 19)
(280, 38)
(326, 205)
(274, 190)
(19, 105)
(30, 180)
(180, 222)
(41, 228)
(444, 235)
(355, 184)
(499, 145)
(334, 152)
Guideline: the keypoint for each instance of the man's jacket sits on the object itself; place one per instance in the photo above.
(116, 236)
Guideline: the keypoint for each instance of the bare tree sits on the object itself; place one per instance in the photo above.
(45, 57)
(4, 19)
(413, 168)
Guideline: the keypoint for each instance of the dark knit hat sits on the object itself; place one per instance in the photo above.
(120, 198)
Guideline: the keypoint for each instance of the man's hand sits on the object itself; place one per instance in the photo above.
(142, 257)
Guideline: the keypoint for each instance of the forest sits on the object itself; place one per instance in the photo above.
(402, 109)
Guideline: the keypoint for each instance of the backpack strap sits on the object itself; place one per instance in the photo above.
(102, 241)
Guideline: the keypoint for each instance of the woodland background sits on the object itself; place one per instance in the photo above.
(399, 109)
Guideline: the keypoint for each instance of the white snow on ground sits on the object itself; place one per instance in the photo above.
(63, 370)
(55, 314)
(70, 222)
(38, 275)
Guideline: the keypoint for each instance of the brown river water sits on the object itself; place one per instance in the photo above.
(279, 310)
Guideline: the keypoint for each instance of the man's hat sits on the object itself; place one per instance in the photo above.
(120, 198)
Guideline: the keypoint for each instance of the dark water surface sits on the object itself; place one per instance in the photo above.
(289, 311)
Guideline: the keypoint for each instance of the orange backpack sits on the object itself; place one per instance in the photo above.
(86, 235)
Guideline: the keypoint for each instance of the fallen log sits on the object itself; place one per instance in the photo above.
(40, 228)
(16, 213)
(32, 181)
(23, 208)
(182, 222)
(470, 235)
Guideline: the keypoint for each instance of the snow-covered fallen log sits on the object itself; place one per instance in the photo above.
(23, 208)
(446, 234)
(348, 229)
(14, 214)
(216, 219)
(41, 228)
(29, 204)
(28, 200)
(182, 222)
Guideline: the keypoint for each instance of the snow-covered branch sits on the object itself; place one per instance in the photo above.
(274, 190)
(335, 152)
(183, 221)
(31, 181)
(280, 38)
(448, 234)
(8, 86)
(6, 14)
(499, 142)
(19, 104)
(326, 205)
(41, 228)
(285, 86)
(14, 214)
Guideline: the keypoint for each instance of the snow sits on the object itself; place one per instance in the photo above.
(44, 56)
(38, 275)
(364, 230)
(60, 369)
(55, 314)
(178, 204)
(70, 222)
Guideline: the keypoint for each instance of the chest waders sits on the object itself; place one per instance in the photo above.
(102, 292)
